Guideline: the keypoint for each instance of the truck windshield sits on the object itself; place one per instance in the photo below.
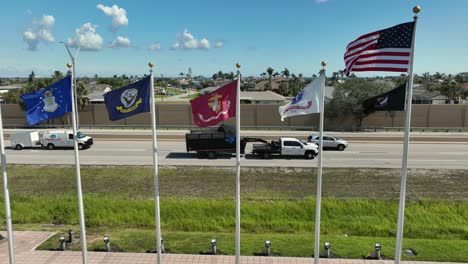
(80, 134)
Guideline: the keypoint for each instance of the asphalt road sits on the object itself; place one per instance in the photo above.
(172, 152)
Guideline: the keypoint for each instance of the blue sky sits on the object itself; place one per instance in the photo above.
(209, 35)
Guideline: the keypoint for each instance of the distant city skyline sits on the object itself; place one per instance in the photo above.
(121, 37)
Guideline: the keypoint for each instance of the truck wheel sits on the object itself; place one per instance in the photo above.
(18, 147)
(266, 155)
(80, 146)
(211, 155)
(50, 146)
(340, 147)
(309, 155)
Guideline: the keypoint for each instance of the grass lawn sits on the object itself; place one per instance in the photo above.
(359, 208)
(192, 95)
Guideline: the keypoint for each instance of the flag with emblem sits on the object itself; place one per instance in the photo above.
(384, 50)
(214, 107)
(50, 102)
(306, 101)
(129, 100)
(393, 100)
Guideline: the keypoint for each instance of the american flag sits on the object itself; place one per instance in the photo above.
(384, 50)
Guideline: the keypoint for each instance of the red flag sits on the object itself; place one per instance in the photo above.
(217, 106)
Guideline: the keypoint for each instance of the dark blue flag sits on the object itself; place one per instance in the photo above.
(50, 102)
(129, 100)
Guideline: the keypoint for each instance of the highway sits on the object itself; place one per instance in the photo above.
(441, 155)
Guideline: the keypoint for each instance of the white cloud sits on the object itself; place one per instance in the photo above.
(121, 42)
(175, 46)
(87, 38)
(321, 1)
(47, 21)
(219, 44)
(119, 15)
(41, 33)
(204, 44)
(155, 46)
(187, 41)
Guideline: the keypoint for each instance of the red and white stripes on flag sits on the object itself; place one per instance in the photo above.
(384, 50)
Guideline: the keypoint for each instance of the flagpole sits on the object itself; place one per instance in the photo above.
(238, 165)
(84, 249)
(319, 172)
(155, 167)
(11, 253)
(404, 169)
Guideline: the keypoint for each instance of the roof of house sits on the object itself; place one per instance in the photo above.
(261, 96)
(96, 91)
(424, 95)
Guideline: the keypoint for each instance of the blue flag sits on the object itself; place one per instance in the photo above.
(50, 102)
(129, 100)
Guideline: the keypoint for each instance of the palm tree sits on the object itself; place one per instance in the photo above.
(263, 75)
(181, 74)
(221, 75)
(82, 95)
(285, 73)
(270, 72)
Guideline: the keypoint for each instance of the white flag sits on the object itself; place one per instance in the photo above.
(306, 102)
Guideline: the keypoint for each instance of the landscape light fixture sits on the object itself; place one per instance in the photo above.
(268, 246)
(107, 241)
(378, 248)
(162, 245)
(326, 246)
(62, 243)
(70, 236)
(213, 246)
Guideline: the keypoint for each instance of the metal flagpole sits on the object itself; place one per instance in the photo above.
(78, 181)
(11, 253)
(155, 167)
(73, 59)
(238, 165)
(409, 92)
(319, 172)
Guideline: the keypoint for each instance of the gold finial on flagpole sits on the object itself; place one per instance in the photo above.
(416, 9)
(150, 64)
(238, 65)
(324, 63)
(69, 65)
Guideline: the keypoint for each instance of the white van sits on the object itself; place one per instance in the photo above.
(64, 139)
(25, 139)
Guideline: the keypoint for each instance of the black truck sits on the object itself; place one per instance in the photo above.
(209, 142)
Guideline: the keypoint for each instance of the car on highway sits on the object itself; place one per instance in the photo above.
(329, 142)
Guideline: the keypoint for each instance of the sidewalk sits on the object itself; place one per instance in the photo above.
(26, 241)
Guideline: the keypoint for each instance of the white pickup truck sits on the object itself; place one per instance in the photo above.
(286, 147)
